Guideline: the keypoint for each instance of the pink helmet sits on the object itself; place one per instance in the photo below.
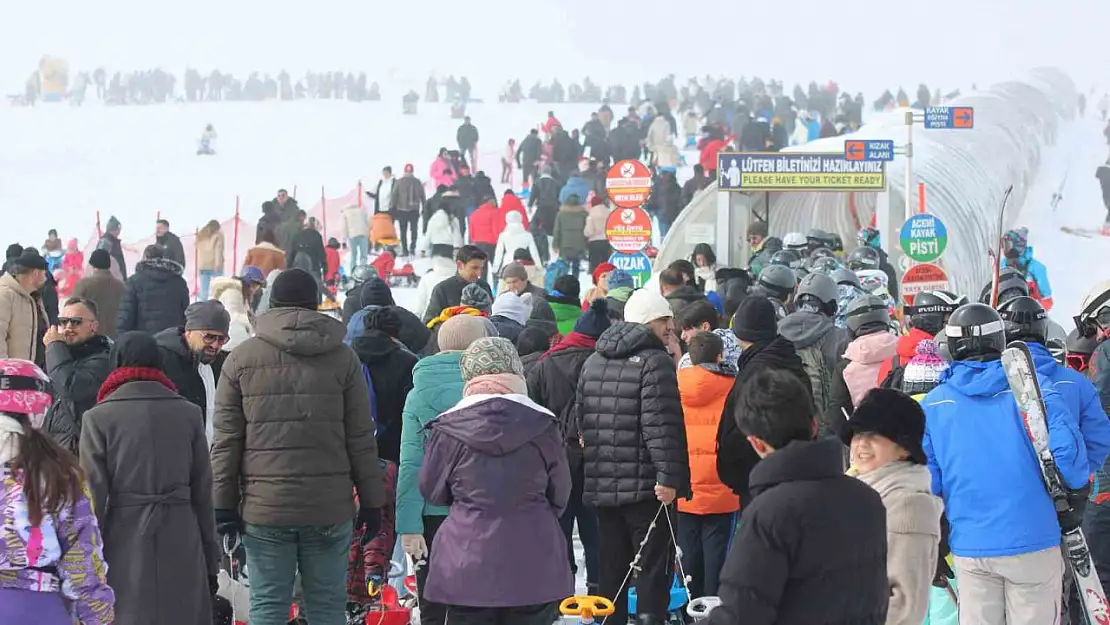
(24, 389)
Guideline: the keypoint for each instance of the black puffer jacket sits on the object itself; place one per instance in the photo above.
(390, 366)
(180, 365)
(682, 297)
(77, 373)
(155, 298)
(631, 419)
(553, 384)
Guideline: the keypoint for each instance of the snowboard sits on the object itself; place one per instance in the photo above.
(1087, 233)
(1017, 363)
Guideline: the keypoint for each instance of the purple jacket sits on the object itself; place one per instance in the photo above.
(498, 462)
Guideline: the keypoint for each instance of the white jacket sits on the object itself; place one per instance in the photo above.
(229, 292)
(442, 230)
(442, 268)
(658, 134)
(385, 195)
(801, 133)
(356, 222)
(514, 237)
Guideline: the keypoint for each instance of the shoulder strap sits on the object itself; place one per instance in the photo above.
(373, 398)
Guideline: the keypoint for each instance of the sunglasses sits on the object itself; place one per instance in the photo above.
(1078, 362)
(218, 339)
(65, 322)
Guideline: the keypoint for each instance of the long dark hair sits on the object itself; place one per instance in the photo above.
(52, 477)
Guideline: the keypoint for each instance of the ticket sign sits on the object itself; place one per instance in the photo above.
(924, 237)
(628, 184)
(638, 265)
(923, 277)
(791, 171)
(628, 229)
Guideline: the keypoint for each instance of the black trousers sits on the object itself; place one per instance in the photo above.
(586, 517)
(529, 171)
(541, 614)
(599, 252)
(540, 237)
(620, 531)
(431, 613)
(704, 540)
(489, 250)
(406, 223)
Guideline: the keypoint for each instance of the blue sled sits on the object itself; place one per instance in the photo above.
(678, 597)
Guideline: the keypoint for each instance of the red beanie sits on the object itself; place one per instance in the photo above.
(600, 269)
(597, 201)
(408, 168)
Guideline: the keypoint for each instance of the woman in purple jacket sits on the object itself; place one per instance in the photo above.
(497, 459)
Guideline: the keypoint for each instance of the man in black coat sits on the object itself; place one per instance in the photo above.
(155, 298)
(634, 448)
(811, 546)
(110, 242)
(285, 206)
(470, 263)
(309, 242)
(192, 355)
(170, 242)
(467, 137)
(390, 366)
(77, 363)
(528, 155)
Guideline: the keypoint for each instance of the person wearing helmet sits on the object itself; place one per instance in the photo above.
(235, 294)
(847, 289)
(1079, 350)
(867, 258)
(46, 542)
(1092, 325)
(359, 276)
(1011, 284)
(786, 258)
(819, 343)
(762, 258)
(1018, 254)
(868, 322)
(925, 318)
(795, 241)
(1005, 541)
(822, 264)
(817, 239)
(776, 283)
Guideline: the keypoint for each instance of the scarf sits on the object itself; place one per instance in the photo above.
(574, 339)
(10, 431)
(496, 384)
(123, 375)
(447, 313)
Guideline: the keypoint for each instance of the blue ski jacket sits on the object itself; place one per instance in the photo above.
(1083, 402)
(984, 467)
(1034, 270)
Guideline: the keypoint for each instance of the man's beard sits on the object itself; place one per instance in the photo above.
(205, 358)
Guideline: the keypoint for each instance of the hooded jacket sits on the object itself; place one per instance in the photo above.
(630, 415)
(704, 390)
(510, 203)
(390, 366)
(229, 292)
(293, 428)
(267, 257)
(515, 236)
(1083, 403)
(985, 469)
(442, 269)
(811, 547)
(155, 298)
(21, 315)
(596, 218)
(821, 345)
(105, 290)
(570, 232)
(356, 223)
(414, 334)
(436, 387)
(1035, 273)
(172, 244)
(498, 462)
(308, 242)
(567, 311)
(865, 356)
(77, 373)
(442, 229)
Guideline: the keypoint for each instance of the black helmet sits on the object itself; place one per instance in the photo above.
(1011, 284)
(771, 245)
(816, 238)
(1058, 349)
(1025, 318)
(845, 276)
(778, 280)
(864, 258)
(867, 314)
(362, 273)
(931, 309)
(1079, 344)
(823, 264)
(838, 243)
(823, 252)
(975, 330)
(786, 258)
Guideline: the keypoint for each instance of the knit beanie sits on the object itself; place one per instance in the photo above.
(512, 306)
(619, 279)
(100, 259)
(514, 270)
(755, 320)
(295, 288)
(922, 373)
(567, 286)
(891, 414)
(207, 315)
(458, 332)
(601, 269)
(595, 320)
(15, 250)
(375, 292)
(490, 356)
(477, 297)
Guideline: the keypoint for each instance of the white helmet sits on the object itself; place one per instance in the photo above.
(794, 241)
(1097, 299)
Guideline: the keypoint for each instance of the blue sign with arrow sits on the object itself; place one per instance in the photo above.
(949, 117)
(869, 150)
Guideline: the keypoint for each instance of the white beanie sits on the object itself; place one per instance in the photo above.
(646, 305)
(511, 306)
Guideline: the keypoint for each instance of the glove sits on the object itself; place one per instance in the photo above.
(415, 546)
(370, 519)
(229, 523)
(214, 584)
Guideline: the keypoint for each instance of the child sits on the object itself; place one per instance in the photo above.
(705, 521)
(811, 547)
(73, 269)
(331, 257)
(369, 562)
(507, 163)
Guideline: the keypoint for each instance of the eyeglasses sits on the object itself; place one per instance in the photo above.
(218, 339)
(76, 322)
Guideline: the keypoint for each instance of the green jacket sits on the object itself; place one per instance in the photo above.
(437, 385)
(570, 232)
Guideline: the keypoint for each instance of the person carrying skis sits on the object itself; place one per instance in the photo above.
(1018, 254)
(1005, 539)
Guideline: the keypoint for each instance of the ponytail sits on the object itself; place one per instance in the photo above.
(52, 477)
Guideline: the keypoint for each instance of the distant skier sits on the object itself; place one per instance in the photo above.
(1018, 254)
(207, 144)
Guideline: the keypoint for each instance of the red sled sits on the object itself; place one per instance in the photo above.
(406, 275)
(390, 611)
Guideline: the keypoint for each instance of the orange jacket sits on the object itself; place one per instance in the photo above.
(703, 400)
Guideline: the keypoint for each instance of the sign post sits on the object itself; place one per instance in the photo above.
(628, 184)
(924, 238)
(923, 277)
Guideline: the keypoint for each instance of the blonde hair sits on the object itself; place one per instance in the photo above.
(209, 230)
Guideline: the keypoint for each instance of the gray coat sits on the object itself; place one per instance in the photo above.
(146, 458)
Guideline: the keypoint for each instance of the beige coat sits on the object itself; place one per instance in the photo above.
(210, 253)
(912, 535)
(20, 314)
(595, 223)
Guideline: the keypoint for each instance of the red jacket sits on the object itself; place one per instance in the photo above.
(510, 202)
(331, 255)
(383, 264)
(709, 153)
(907, 348)
(549, 124)
(486, 224)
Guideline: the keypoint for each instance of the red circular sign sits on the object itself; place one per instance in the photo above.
(923, 277)
(628, 184)
(628, 229)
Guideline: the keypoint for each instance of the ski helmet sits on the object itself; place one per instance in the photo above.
(778, 280)
(1011, 284)
(786, 258)
(771, 245)
(362, 273)
(24, 390)
(864, 258)
(868, 237)
(823, 264)
(817, 293)
(931, 309)
(823, 252)
(867, 314)
(818, 238)
(252, 275)
(1015, 242)
(1079, 350)
(1094, 313)
(838, 243)
(843, 275)
(975, 330)
(794, 241)
(1025, 318)
(1058, 349)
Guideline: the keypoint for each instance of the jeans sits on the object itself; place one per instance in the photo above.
(586, 517)
(274, 556)
(704, 540)
(205, 276)
(360, 251)
(620, 531)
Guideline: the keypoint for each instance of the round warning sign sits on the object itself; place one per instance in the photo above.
(628, 184)
(924, 238)
(923, 277)
(637, 264)
(628, 229)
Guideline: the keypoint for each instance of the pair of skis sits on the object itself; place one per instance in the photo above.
(1020, 371)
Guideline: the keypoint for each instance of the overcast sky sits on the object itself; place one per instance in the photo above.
(864, 44)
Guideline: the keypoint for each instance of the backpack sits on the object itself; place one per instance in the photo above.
(893, 379)
(373, 400)
(555, 270)
(813, 361)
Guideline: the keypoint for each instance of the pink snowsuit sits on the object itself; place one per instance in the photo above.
(439, 172)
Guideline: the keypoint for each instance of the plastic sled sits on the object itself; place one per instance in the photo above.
(942, 610)
(700, 607)
(678, 597)
(405, 276)
(586, 607)
(382, 230)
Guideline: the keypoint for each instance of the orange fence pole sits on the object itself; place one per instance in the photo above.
(196, 268)
(235, 241)
(921, 197)
(360, 193)
(324, 212)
